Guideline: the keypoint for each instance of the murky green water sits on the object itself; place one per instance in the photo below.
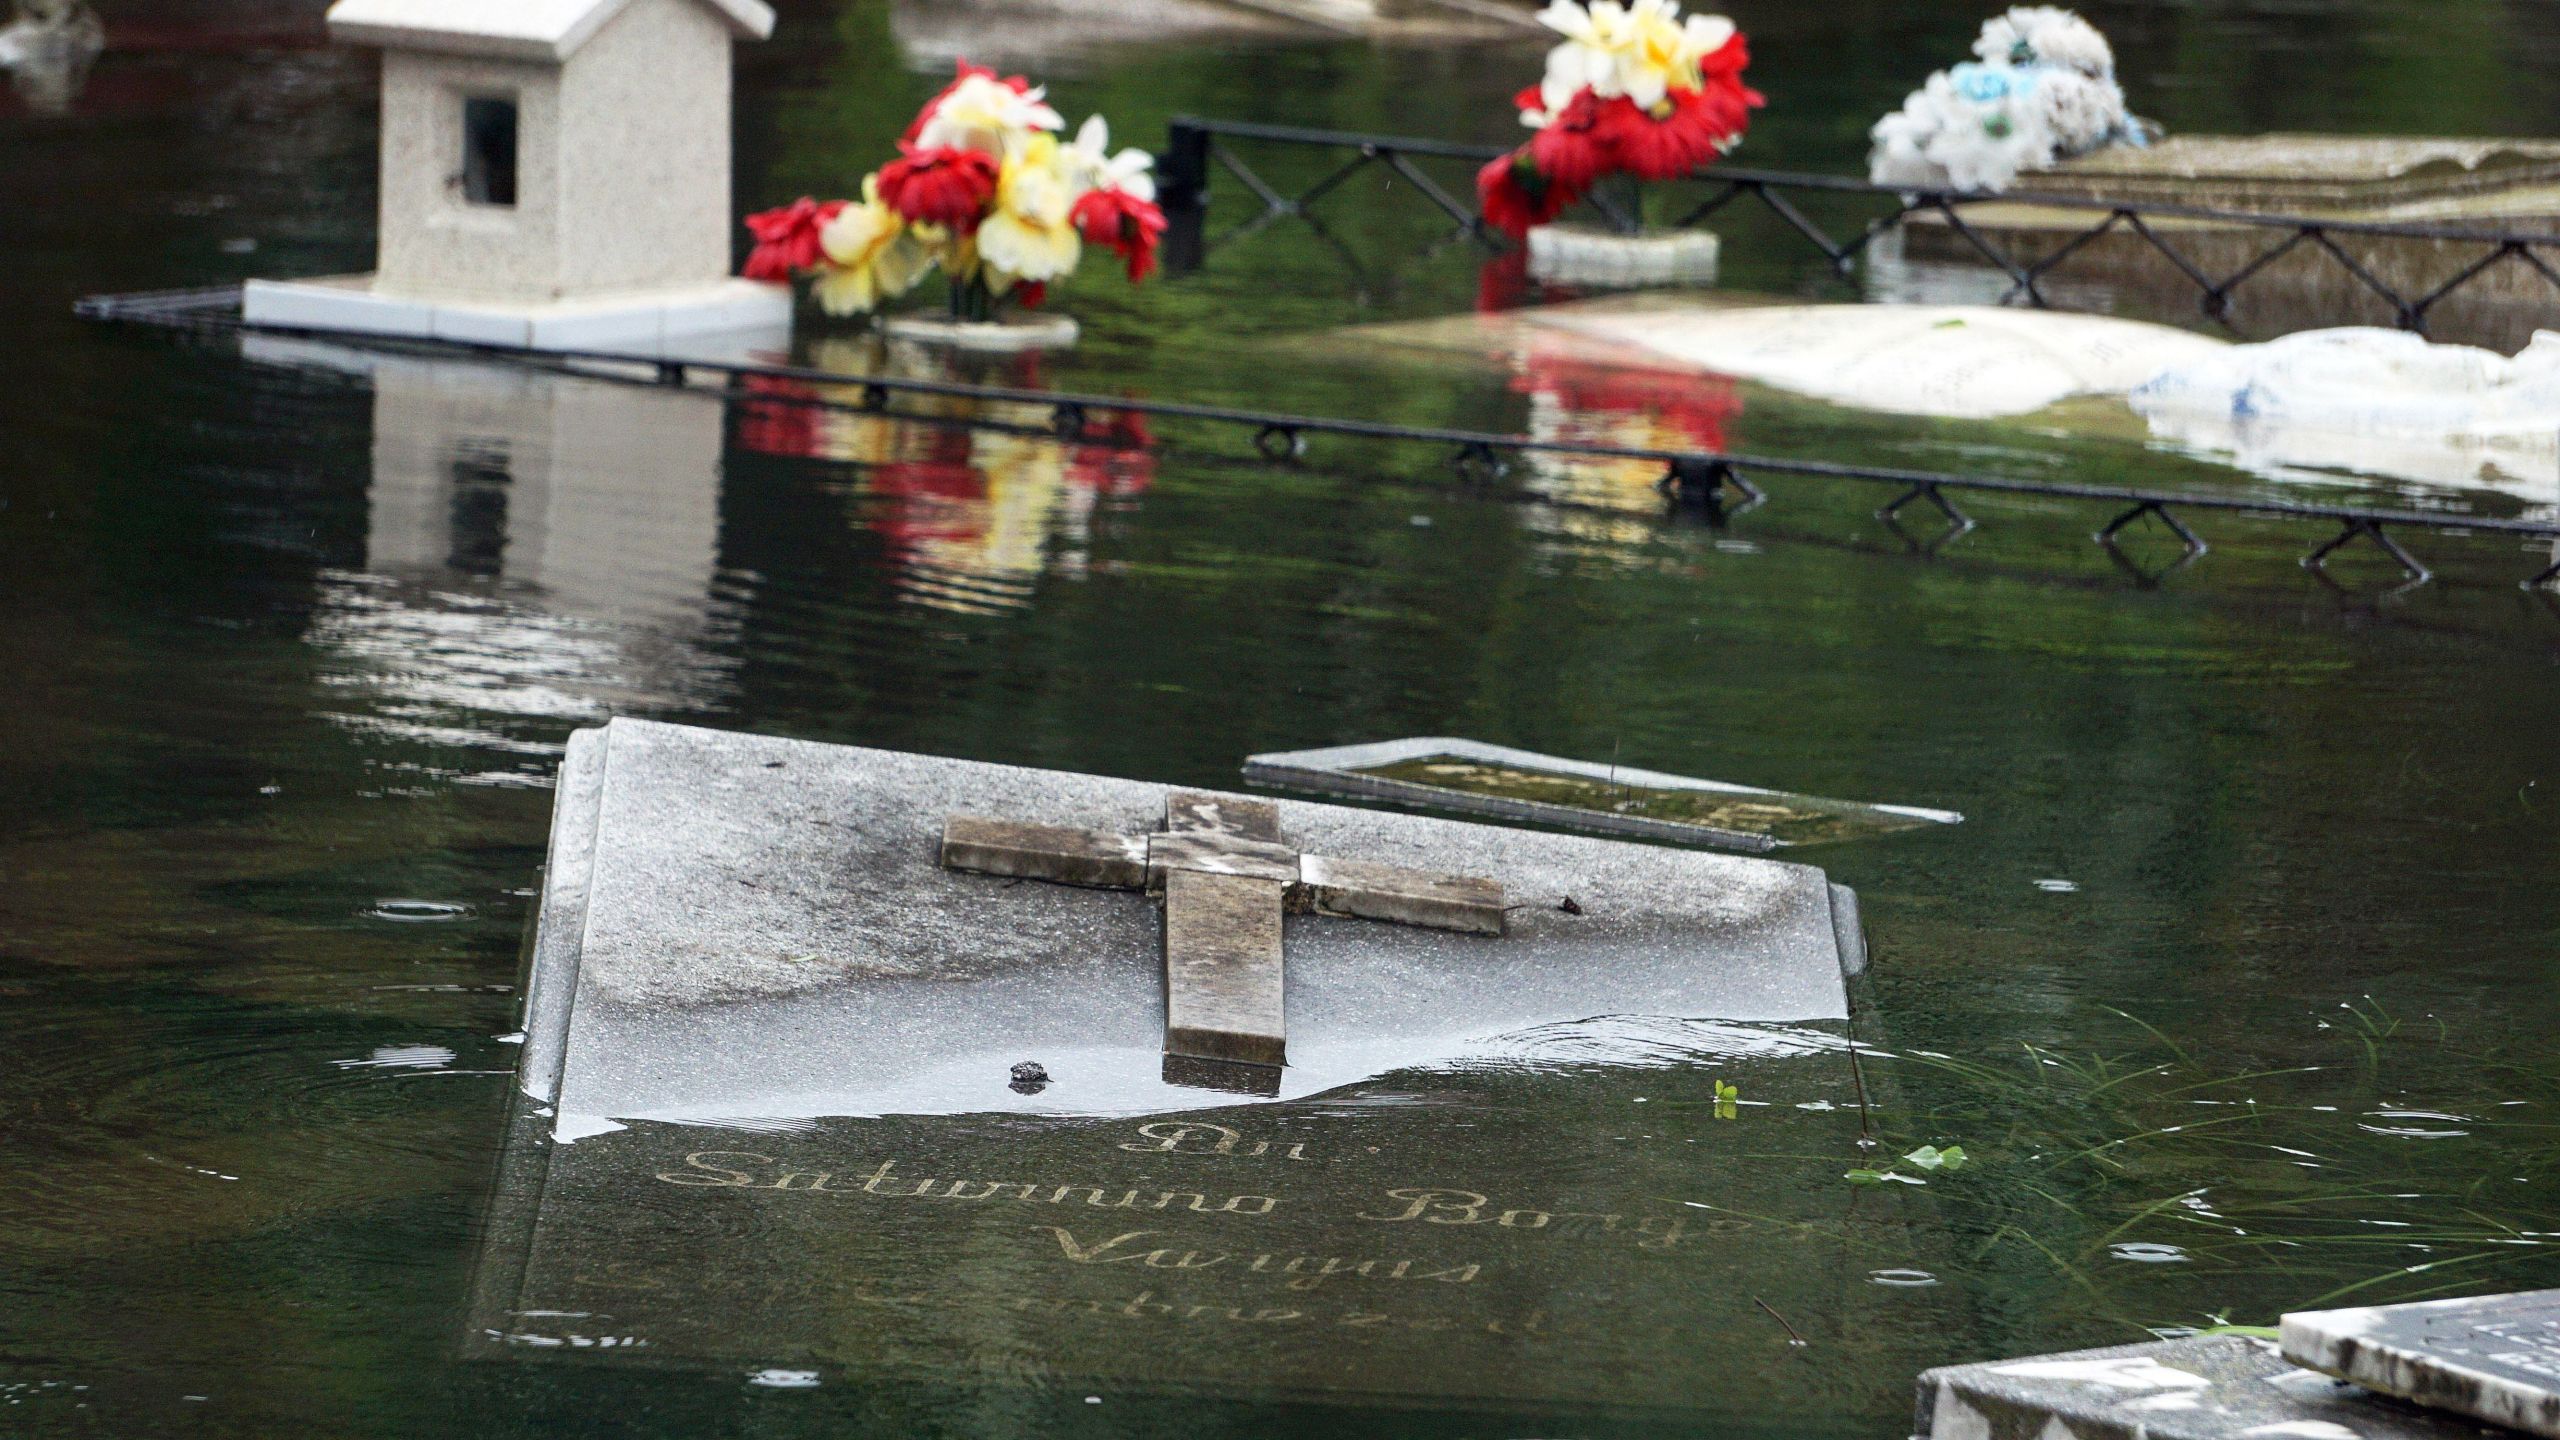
(2237, 984)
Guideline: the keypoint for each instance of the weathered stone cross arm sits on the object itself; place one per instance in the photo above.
(1226, 878)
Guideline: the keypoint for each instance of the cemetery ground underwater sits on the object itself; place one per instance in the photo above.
(2234, 988)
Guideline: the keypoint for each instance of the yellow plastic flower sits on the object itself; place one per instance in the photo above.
(872, 255)
(1031, 236)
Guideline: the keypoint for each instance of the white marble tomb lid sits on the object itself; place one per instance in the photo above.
(549, 30)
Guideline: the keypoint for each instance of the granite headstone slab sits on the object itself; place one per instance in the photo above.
(771, 1124)
(2492, 1357)
(752, 929)
(2224, 1387)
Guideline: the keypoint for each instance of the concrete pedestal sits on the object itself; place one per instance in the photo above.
(640, 321)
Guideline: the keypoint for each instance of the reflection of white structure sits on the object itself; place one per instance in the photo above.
(555, 173)
(48, 48)
(538, 547)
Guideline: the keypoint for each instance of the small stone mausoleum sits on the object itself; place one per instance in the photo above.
(555, 173)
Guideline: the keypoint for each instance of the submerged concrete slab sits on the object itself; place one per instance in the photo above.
(2218, 1388)
(2490, 1357)
(768, 933)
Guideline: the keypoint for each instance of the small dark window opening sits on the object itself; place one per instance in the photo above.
(489, 151)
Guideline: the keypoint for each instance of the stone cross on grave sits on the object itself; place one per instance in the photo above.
(1226, 878)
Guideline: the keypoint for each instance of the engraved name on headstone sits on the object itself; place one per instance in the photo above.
(771, 1114)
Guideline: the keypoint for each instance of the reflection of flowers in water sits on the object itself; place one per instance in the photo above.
(970, 515)
(1575, 398)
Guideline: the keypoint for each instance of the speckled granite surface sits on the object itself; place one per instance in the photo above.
(766, 932)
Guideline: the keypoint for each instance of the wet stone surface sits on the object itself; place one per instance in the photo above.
(2214, 1388)
(2492, 1357)
(772, 928)
(955, 1139)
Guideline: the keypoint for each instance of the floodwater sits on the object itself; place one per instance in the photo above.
(2236, 986)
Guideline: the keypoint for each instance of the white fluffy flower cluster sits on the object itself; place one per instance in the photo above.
(2043, 89)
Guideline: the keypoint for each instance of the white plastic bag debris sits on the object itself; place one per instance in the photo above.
(2370, 401)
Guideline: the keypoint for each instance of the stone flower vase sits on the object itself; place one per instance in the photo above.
(977, 321)
(1589, 256)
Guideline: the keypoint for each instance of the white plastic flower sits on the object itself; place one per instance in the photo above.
(988, 115)
(1642, 50)
(1089, 163)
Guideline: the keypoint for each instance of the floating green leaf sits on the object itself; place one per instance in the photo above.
(1728, 1100)
(1879, 1177)
(1930, 1157)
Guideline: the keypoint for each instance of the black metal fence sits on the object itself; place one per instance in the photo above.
(1713, 486)
(1197, 148)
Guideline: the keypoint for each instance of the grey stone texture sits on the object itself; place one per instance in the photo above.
(767, 931)
(2210, 1388)
(622, 163)
(2491, 1357)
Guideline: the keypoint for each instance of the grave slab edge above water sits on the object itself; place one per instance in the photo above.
(2494, 1358)
(2207, 1388)
(653, 950)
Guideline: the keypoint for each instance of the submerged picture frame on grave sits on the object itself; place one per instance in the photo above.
(1397, 771)
(629, 1228)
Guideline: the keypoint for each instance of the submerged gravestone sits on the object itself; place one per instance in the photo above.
(810, 1083)
(2210, 1388)
(2277, 279)
(2492, 1357)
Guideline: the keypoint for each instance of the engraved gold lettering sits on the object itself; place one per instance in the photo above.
(1235, 1204)
(1170, 1138)
(1523, 1220)
(1098, 1254)
(817, 1181)
(697, 1160)
(1664, 1228)
(871, 1183)
(1330, 1268)
(1463, 1207)
(1198, 1137)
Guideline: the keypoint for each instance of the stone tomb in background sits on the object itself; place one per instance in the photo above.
(771, 1119)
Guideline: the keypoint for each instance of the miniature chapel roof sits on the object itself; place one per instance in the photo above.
(548, 30)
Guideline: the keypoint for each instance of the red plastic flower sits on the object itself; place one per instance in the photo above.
(1513, 195)
(1569, 151)
(940, 186)
(960, 72)
(1661, 146)
(787, 238)
(1124, 224)
(1728, 61)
